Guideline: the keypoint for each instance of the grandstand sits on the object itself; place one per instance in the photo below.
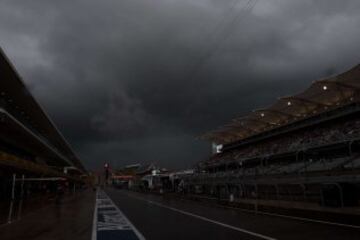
(31, 147)
(303, 148)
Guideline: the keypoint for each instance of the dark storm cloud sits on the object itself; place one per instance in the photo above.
(136, 81)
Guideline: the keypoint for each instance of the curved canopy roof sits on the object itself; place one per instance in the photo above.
(321, 96)
(27, 110)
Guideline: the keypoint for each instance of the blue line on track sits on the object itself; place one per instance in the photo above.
(110, 223)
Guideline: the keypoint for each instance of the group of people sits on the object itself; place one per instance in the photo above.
(302, 139)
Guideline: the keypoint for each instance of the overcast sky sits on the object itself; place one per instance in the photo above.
(132, 81)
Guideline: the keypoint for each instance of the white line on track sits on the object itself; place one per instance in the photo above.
(296, 218)
(292, 217)
(94, 229)
(258, 235)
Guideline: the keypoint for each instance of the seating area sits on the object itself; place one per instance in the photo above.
(311, 137)
(336, 132)
(302, 147)
(325, 165)
(287, 169)
(355, 164)
(320, 165)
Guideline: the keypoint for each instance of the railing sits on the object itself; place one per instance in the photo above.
(13, 161)
(315, 119)
(37, 135)
(35, 168)
(24, 195)
(303, 148)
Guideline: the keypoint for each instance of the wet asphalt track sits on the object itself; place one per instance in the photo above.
(72, 220)
(159, 218)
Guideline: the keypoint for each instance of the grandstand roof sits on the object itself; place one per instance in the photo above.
(323, 95)
(27, 110)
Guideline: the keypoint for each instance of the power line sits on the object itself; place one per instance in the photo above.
(224, 35)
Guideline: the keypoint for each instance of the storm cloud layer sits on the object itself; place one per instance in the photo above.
(137, 80)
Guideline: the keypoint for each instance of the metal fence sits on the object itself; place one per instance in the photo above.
(327, 192)
(20, 194)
